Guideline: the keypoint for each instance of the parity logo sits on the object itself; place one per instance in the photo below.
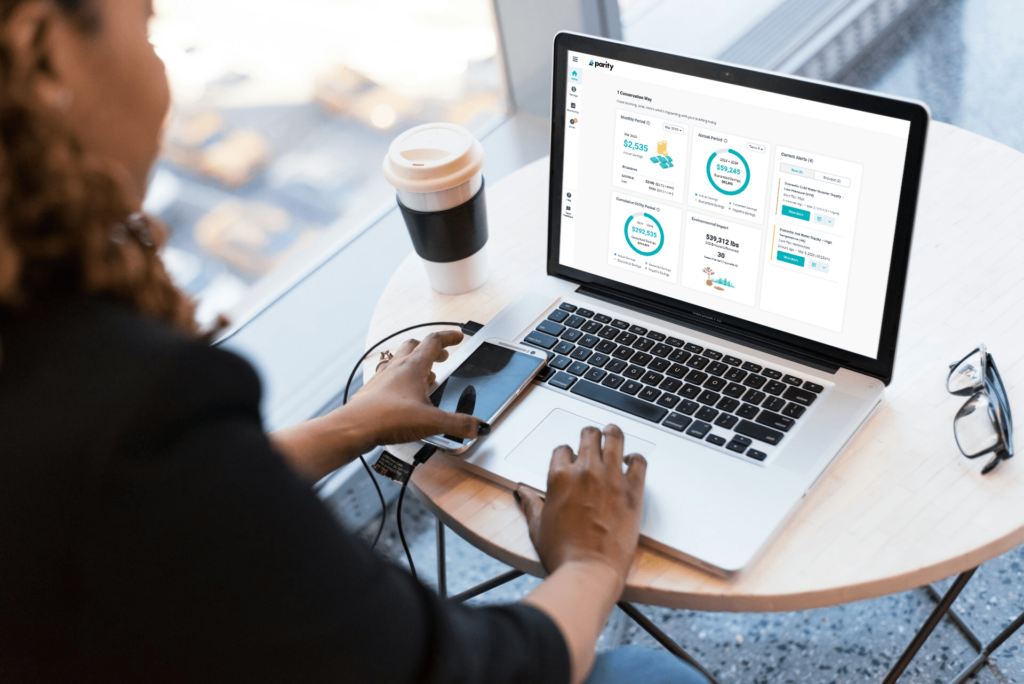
(602, 65)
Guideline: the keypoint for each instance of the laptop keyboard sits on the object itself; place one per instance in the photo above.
(726, 401)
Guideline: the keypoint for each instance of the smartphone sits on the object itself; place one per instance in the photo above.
(485, 384)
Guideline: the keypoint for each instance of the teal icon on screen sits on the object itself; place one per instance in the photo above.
(663, 160)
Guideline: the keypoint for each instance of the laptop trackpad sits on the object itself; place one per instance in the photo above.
(561, 427)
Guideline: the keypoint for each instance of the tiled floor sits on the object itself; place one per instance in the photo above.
(964, 58)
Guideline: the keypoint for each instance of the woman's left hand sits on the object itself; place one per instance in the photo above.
(392, 408)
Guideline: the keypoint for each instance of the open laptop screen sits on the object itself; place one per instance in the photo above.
(769, 208)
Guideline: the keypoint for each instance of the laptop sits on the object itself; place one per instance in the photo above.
(726, 260)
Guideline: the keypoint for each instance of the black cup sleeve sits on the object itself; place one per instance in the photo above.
(449, 235)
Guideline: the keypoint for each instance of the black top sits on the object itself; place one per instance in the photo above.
(148, 531)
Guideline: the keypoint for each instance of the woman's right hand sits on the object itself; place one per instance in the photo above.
(591, 512)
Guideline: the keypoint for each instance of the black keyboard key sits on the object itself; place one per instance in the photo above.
(578, 368)
(754, 397)
(621, 325)
(673, 342)
(699, 429)
(734, 390)
(693, 348)
(659, 365)
(652, 378)
(618, 400)
(671, 385)
(591, 327)
(586, 313)
(595, 375)
(598, 360)
(605, 347)
(631, 387)
(661, 349)
(812, 387)
(736, 446)
(736, 375)
(775, 387)
(668, 400)
(708, 397)
(634, 373)
(650, 394)
(608, 333)
(677, 421)
(728, 404)
(616, 366)
(563, 347)
(571, 335)
(771, 373)
(588, 341)
(747, 411)
(562, 380)
(741, 439)
(613, 381)
(712, 354)
(575, 321)
(601, 318)
(717, 440)
(539, 339)
(752, 367)
(636, 329)
(679, 356)
(757, 455)
(558, 315)
(759, 432)
(731, 360)
(566, 306)
(688, 407)
(716, 368)
(677, 370)
(551, 328)
(793, 410)
(559, 363)
(696, 377)
(642, 359)
(626, 338)
(726, 421)
(545, 374)
(800, 396)
(755, 381)
(698, 362)
(707, 413)
(622, 353)
(716, 384)
(774, 404)
(656, 336)
(643, 344)
(581, 354)
(792, 380)
(774, 420)
(689, 391)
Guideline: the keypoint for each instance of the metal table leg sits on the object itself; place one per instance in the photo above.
(989, 648)
(929, 626)
(955, 618)
(442, 563)
(664, 639)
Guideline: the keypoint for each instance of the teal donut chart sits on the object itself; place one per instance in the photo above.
(661, 231)
(746, 166)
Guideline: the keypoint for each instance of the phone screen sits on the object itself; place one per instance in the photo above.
(485, 381)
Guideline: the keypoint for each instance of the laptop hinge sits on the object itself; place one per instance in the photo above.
(646, 306)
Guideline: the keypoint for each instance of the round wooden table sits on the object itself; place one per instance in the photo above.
(901, 507)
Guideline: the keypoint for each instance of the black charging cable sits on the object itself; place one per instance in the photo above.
(469, 329)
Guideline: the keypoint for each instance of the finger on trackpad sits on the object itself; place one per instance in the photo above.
(558, 428)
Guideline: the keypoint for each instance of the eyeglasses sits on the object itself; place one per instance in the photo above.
(983, 424)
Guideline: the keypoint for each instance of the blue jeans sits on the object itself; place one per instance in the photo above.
(639, 665)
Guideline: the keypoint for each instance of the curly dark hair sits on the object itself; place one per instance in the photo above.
(66, 223)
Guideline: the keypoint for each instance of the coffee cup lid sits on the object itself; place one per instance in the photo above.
(433, 157)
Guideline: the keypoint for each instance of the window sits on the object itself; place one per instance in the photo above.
(283, 113)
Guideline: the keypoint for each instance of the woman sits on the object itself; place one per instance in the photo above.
(149, 530)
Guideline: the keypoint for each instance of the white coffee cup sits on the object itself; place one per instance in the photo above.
(437, 171)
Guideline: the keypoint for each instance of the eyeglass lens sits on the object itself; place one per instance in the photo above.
(976, 427)
(968, 375)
